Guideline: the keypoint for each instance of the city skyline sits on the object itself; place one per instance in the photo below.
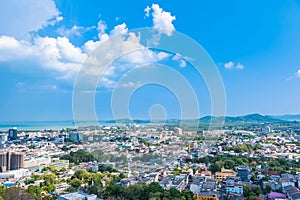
(254, 45)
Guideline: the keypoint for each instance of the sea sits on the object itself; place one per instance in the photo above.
(55, 125)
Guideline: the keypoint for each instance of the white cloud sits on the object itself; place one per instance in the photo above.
(177, 57)
(229, 65)
(119, 29)
(298, 74)
(59, 58)
(75, 30)
(101, 27)
(141, 57)
(232, 65)
(21, 17)
(239, 66)
(147, 11)
(162, 20)
(127, 85)
(54, 54)
(91, 45)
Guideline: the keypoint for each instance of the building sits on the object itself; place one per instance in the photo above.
(235, 188)
(207, 196)
(16, 161)
(76, 137)
(13, 134)
(3, 138)
(37, 161)
(78, 196)
(292, 192)
(243, 173)
(11, 161)
(222, 176)
(178, 131)
(288, 179)
(276, 196)
(15, 174)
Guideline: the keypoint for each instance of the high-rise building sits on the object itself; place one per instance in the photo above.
(13, 134)
(3, 161)
(11, 161)
(243, 173)
(3, 138)
(76, 137)
(16, 161)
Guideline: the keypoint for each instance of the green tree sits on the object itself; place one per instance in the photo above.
(174, 193)
(215, 168)
(187, 195)
(268, 189)
(246, 190)
(82, 175)
(34, 190)
(76, 183)
(228, 164)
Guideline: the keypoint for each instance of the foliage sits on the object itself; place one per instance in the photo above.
(142, 191)
(79, 157)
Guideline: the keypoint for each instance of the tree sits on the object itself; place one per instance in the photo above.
(268, 189)
(187, 195)
(155, 187)
(174, 193)
(76, 183)
(252, 197)
(49, 188)
(82, 175)
(256, 190)
(122, 175)
(246, 190)
(215, 168)
(34, 190)
(32, 146)
(228, 164)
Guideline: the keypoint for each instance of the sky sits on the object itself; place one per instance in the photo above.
(45, 44)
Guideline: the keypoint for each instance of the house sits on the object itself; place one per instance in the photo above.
(287, 179)
(235, 188)
(292, 192)
(207, 196)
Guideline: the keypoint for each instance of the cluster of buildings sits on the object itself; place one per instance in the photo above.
(151, 153)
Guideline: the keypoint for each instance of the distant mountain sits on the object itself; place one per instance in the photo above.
(252, 118)
(287, 117)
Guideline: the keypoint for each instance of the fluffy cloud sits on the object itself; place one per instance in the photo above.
(58, 57)
(55, 54)
(17, 18)
(91, 45)
(162, 20)
(232, 65)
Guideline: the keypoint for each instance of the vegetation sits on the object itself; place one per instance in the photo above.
(79, 157)
(142, 191)
(231, 162)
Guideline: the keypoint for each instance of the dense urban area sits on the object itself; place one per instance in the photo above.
(243, 160)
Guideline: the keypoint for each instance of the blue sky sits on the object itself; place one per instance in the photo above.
(43, 45)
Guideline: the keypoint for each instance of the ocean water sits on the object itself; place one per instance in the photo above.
(37, 125)
(54, 125)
